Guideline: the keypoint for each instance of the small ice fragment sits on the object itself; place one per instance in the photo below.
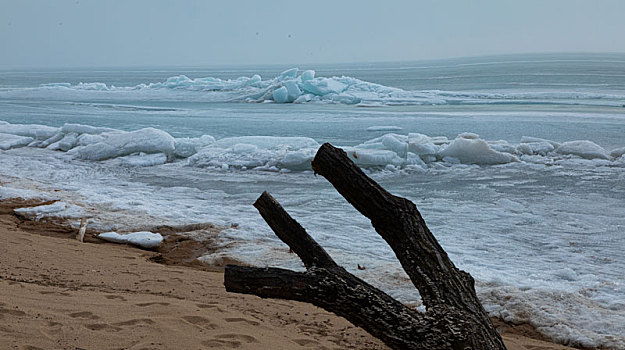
(585, 149)
(475, 151)
(8, 141)
(617, 152)
(142, 239)
(288, 74)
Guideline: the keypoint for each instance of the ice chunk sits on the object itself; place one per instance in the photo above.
(502, 146)
(394, 144)
(414, 160)
(186, 147)
(281, 95)
(148, 140)
(40, 132)
(323, 86)
(52, 139)
(421, 145)
(617, 152)
(293, 91)
(243, 148)
(307, 75)
(142, 239)
(65, 144)
(304, 98)
(296, 160)
(288, 74)
(263, 152)
(8, 141)
(530, 148)
(585, 149)
(343, 98)
(56, 209)
(475, 151)
(87, 139)
(368, 157)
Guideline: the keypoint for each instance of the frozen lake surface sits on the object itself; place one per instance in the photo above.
(516, 163)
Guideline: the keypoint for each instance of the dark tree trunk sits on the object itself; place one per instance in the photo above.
(454, 317)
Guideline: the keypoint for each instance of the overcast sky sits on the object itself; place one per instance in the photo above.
(80, 33)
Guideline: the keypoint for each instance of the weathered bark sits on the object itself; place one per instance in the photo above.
(454, 319)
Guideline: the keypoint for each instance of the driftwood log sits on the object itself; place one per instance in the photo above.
(454, 317)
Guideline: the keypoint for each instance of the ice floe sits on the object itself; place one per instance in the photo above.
(142, 239)
(58, 209)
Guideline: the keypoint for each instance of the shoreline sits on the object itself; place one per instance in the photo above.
(104, 295)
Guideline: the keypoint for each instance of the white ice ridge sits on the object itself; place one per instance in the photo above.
(301, 86)
(150, 147)
(290, 86)
(142, 239)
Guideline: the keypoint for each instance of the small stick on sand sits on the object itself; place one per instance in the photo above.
(83, 228)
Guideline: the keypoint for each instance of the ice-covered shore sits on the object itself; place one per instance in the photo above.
(414, 151)
(543, 242)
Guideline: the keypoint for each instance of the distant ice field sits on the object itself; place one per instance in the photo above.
(516, 164)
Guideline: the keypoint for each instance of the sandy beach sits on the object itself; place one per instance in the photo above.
(58, 293)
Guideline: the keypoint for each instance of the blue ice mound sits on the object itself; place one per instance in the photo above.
(291, 86)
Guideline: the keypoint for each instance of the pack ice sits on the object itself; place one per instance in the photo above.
(150, 147)
(291, 86)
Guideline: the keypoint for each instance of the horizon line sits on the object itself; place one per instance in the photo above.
(291, 64)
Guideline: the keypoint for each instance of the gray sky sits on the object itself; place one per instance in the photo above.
(161, 33)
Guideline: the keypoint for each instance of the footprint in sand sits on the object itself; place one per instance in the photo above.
(111, 297)
(51, 329)
(152, 303)
(200, 322)
(59, 293)
(102, 327)
(12, 312)
(134, 322)
(230, 341)
(210, 305)
(239, 319)
(84, 314)
(306, 342)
